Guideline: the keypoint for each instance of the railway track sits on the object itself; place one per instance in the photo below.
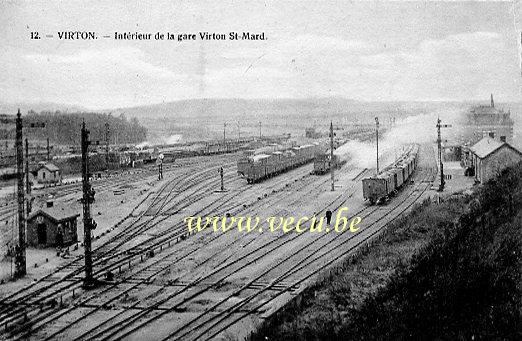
(94, 336)
(100, 256)
(106, 184)
(77, 282)
(223, 320)
(115, 333)
(61, 288)
(114, 327)
(210, 322)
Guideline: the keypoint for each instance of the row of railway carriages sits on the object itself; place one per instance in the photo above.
(258, 167)
(379, 188)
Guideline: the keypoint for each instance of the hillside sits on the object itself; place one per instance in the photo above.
(65, 128)
(449, 271)
(198, 119)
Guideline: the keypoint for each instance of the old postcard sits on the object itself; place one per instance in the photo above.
(260, 170)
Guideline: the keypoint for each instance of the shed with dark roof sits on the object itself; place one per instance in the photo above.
(52, 226)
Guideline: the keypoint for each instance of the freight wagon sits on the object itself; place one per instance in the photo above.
(379, 188)
(255, 168)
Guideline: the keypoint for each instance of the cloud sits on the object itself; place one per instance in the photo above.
(313, 42)
(288, 47)
(100, 78)
(127, 59)
(466, 65)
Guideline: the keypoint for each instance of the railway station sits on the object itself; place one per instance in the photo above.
(260, 171)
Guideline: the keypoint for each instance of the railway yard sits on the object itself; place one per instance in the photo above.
(155, 277)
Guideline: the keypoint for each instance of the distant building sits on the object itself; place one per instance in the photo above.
(451, 152)
(311, 133)
(52, 226)
(48, 173)
(488, 121)
(489, 157)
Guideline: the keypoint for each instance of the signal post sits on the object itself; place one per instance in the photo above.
(88, 198)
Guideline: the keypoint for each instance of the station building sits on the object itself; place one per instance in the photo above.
(52, 227)
(488, 121)
(489, 157)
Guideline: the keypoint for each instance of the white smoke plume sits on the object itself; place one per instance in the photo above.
(413, 129)
(174, 139)
(143, 145)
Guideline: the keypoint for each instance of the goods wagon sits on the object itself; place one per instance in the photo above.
(258, 167)
(388, 182)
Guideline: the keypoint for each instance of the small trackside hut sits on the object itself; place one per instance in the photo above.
(489, 157)
(48, 173)
(52, 227)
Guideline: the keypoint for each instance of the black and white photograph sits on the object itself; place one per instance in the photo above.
(260, 170)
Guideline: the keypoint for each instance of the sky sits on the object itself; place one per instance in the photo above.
(374, 51)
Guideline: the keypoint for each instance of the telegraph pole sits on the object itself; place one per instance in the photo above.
(48, 151)
(88, 196)
(260, 130)
(27, 182)
(332, 165)
(238, 131)
(159, 162)
(107, 145)
(224, 136)
(377, 138)
(20, 262)
(439, 146)
(222, 181)
(160, 169)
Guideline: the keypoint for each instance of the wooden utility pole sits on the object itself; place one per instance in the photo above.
(159, 162)
(107, 145)
(332, 165)
(20, 261)
(48, 151)
(377, 139)
(27, 182)
(222, 180)
(88, 198)
(224, 136)
(260, 130)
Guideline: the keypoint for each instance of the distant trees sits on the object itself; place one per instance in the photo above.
(64, 128)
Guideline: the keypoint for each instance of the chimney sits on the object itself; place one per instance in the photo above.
(50, 203)
(492, 102)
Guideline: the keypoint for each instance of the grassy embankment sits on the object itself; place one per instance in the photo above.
(447, 271)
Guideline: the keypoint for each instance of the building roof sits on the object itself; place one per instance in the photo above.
(57, 214)
(49, 166)
(487, 146)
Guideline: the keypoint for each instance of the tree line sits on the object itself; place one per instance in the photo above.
(65, 128)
